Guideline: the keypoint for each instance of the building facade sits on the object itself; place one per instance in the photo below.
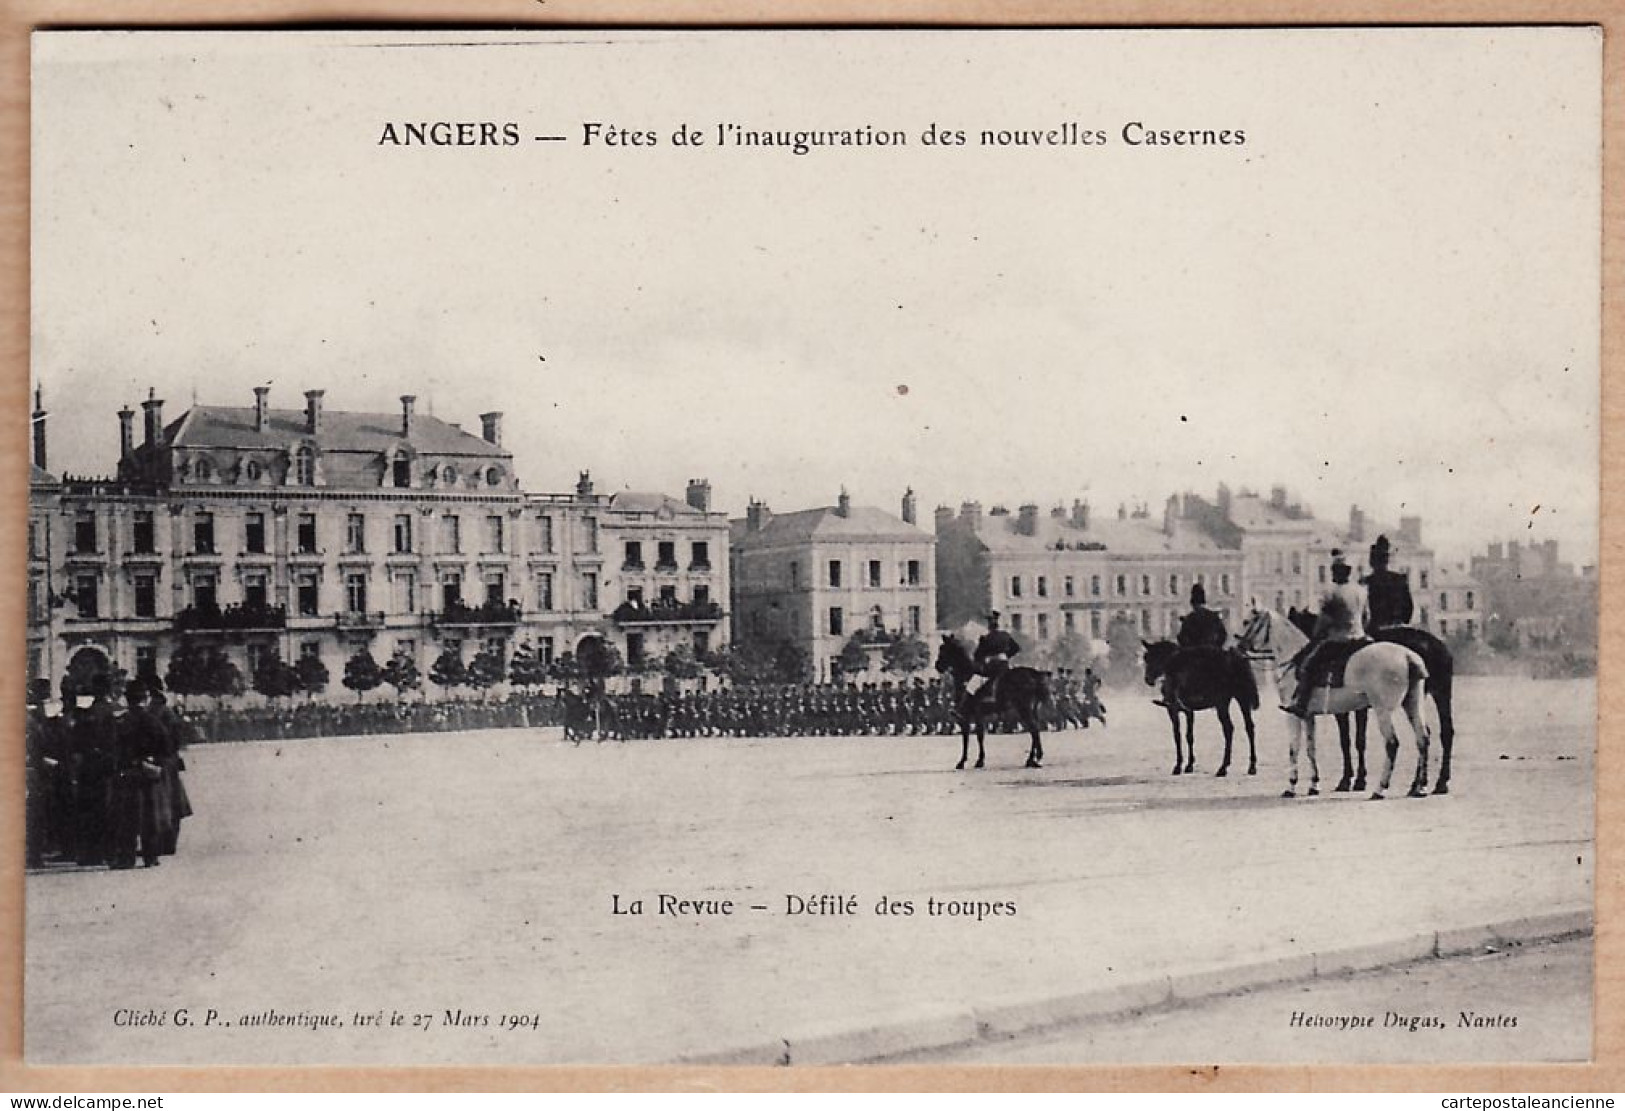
(309, 535)
(1070, 572)
(817, 578)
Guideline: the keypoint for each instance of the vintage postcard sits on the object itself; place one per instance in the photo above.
(813, 547)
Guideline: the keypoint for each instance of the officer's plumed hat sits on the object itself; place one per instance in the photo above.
(1380, 550)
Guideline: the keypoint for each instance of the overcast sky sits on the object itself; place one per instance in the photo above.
(1387, 295)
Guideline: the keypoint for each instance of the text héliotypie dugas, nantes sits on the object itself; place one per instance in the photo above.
(609, 135)
(813, 905)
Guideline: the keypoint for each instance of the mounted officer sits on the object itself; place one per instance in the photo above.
(1388, 592)
(992, 658)
(1201, 627)
(1338, 630)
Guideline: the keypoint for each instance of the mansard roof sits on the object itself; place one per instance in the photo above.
(218, 426)
(861, 523)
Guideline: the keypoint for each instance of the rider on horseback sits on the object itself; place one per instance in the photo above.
(1343, 615)
(1201, 627)
(992, 659)
(1389, 592)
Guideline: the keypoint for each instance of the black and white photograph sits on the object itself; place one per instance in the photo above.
(813, 547)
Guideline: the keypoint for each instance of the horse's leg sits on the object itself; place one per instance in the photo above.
(1179, 755)
(981, 741)
(1447, 737)
(1343, 741)
(1314, 764)
(1229, 735)
(1295, 727)
(1361, 719)
(1252, 744)
(1416, 714)
(1385, 723)
(964, 743)
(1035, 752)
(1190, 741)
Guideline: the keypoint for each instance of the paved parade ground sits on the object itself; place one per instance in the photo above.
(507, 897)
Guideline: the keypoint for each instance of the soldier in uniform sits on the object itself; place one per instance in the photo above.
(1201, 627)
(992, 658)
(1342, 621)
(1387, 592)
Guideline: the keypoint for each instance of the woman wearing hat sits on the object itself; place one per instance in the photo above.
(1344, 612)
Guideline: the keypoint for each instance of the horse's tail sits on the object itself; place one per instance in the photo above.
(1416, 670)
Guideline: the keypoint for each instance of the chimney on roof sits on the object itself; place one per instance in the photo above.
(39, 428)
(584, 485)
(843, 504)
(408, 404)
(152, 413)
(261, 411)
(1356, 524)
(1277, 497)
(699, 494)
(757, 515)
(313, 412)
(911, 507)
(971, 513)
(1080, 513)
(945, 516)
(491, 428)
(126, 432)
(1222, 500)
(1027, 521)
(1170, 514)
(1058, 513)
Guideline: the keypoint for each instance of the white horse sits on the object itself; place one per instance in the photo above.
(1381, 677)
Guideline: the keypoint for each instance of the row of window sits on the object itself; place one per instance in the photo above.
(913, 621)
(872, 573)
(496, 538)
(699, 555)
(205, 592)
(1176, 584)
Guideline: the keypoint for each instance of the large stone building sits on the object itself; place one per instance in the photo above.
(1064, 571)
(817, 578)
(313, 533)
(1536, 599)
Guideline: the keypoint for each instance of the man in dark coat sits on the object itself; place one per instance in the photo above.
(92, 732)
(1387, 592)
(1201, 627)
(140, 816)
(992, 657)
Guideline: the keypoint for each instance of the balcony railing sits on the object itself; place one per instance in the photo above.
(231, 617)
(632, 565)
(666, 613)
(487, 613)
(359, 619)
(666, 567)
(700, 567)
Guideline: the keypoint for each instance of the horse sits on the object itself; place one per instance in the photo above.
(1441, 667)
(1203, 678)
(1019, 689)
(1381, 676)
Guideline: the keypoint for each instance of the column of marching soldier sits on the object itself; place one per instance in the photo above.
(885, 709)
(103, 781)
(104, 784)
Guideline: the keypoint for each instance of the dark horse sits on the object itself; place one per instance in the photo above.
(1441, 668)
(1203, 679)
(1020, 689)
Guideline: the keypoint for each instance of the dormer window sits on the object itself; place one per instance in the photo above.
(493, 476)
(304, 467)
(204, 470)
(448, 475)
(401, 471)
(253, 470)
